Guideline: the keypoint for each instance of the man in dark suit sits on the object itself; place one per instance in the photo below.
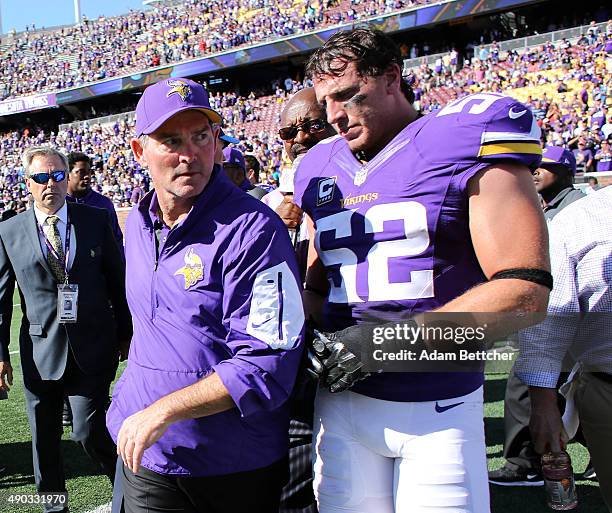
(63, 255)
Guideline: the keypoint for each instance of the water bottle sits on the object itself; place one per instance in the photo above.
(559, 481)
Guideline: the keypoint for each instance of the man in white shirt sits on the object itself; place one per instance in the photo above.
(579, 325)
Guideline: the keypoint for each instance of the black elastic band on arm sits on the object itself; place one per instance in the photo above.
(533, 275)
(315, 290)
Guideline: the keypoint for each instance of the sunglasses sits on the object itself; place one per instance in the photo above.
(43, 178)
(311, 126)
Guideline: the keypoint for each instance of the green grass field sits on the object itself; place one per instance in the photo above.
(88, 490)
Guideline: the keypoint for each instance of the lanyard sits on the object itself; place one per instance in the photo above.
(52, 249)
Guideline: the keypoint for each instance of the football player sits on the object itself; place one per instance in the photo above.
(413, 214)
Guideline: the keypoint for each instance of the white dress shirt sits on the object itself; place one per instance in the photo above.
(579, 321)
(62, 213)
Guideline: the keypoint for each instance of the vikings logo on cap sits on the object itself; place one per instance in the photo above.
(178, 87)
(193, 271)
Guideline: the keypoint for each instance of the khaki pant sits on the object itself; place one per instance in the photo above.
(594, 403)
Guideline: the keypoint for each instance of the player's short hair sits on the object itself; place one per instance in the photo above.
(41, 151)
(370, 49)
(77, 156)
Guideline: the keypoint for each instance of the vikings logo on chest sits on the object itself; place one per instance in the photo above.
(193, 270)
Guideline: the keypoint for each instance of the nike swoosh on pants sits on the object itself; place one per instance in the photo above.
(442, 409)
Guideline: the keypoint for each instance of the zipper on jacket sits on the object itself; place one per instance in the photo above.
(157, 229)
(157, 233)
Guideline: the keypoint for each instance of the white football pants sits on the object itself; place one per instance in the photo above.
(375, 456)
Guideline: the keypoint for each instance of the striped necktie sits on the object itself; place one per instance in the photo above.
(56, 264)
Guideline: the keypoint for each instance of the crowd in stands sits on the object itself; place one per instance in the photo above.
(117, 174)
(40, 61)
(567, 85)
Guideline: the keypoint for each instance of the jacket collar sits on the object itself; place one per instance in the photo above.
(559, 197)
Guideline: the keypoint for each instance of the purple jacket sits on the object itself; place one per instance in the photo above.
(95, 199)
(223, 297)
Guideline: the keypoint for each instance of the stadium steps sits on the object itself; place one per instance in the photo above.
(69, 57)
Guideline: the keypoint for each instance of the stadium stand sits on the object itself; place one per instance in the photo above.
(565, 82)
(48, 60)
(565, 77)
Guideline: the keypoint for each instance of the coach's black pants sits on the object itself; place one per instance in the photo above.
(298, 494)
(88, 396)
(255, 491)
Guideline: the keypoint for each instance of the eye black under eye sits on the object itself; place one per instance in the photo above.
(357, 99)
(347, 95)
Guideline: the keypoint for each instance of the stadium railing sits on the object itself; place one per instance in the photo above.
(410, 64)
(103, 120)
(605, 175)
(539, 39)
(11, 35)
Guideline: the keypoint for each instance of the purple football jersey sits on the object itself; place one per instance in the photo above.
(223, 296)
(393, 234)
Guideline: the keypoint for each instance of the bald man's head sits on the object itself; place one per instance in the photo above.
(304, 97)
(303, 123)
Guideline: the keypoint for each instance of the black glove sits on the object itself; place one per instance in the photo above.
(335, 358)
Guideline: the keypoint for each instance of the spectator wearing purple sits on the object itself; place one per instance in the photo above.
(137, 194)
(598, 117)
(80, 191)
(584, 157)
(603, 157)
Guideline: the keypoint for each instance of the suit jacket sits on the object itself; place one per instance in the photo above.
(98, 270)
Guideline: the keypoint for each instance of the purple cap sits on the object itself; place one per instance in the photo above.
(234, 156)
(553, 156)
(163, 100)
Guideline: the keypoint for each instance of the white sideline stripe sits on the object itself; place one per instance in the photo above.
(14, 352)
(105, 508)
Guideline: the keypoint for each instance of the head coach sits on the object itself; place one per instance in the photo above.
(200, 415)
(75, 322)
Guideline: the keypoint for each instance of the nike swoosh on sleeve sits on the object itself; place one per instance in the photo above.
(262, 323)
(515, 115)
